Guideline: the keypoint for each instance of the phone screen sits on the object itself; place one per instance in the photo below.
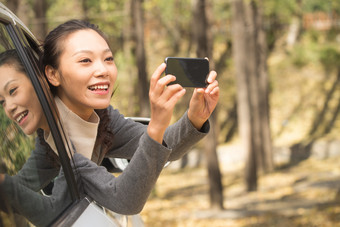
(189, 72)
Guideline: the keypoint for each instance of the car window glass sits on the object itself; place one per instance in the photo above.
(32, 169)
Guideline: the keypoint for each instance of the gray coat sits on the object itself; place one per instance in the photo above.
(119, 138)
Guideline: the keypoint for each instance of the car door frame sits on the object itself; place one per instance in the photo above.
(24, 42)
(17, 35)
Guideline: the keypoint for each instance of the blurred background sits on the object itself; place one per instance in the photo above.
(272, 155)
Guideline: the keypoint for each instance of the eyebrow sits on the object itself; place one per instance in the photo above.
(89, 51)
(8, 83)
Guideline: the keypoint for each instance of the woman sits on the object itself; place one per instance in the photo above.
(69, 62)
(21, 104)
(79, 65)
(17, 95)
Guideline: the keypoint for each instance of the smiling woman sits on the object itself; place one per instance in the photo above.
(80, 68)
(79, 65)
(86, 66)
(21, 105)
(16, 92)
(17, 95)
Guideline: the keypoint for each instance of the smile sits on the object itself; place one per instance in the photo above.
(99, 87)
(21, 116)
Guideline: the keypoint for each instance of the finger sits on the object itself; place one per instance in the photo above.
(200, 90)
(212, 76)
(171, 91)
(164, 81)
(161, 83)
(215, 91)
(156, 75)
(211, 86)
(173, 99)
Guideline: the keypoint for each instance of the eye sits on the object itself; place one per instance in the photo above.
(109, 59)
(11, 91)
(86, 60)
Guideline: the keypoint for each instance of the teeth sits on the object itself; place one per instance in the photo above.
(21, 116)
(101, 87)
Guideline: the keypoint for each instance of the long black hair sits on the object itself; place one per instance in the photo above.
(52, 50)
(11, 57)
(53, 45)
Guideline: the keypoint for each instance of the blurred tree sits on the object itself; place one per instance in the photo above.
(20, 8)
(250, 56)
(15, 146)
(85, 7)
(174, 22)
(13, 5)
(295, 26)
(127, 44)
(40, 8)
(266, 152)
(329, 58)
(204, 49)
(142, 87)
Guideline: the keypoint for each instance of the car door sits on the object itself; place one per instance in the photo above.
(22, 203)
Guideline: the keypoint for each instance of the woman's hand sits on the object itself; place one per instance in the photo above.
(204, 101)
(162, 102)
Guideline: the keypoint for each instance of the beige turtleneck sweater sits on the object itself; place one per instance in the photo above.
(82, 134)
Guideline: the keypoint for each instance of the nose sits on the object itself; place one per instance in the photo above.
(10, 108)
(101, 69)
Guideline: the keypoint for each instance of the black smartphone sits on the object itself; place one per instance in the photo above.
(189, 72)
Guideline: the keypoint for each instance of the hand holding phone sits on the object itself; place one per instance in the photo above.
(189, 72)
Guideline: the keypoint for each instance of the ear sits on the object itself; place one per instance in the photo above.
(52, 75)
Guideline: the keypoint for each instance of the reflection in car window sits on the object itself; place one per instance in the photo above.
(15, 145)
(27, 172)
(5, 41)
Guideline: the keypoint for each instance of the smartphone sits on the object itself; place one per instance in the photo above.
(189, 72)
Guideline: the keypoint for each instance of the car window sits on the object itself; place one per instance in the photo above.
(31, 169)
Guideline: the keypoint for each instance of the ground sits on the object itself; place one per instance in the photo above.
(293, 195)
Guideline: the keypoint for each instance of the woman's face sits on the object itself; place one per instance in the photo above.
(86, 73)
(19, 100)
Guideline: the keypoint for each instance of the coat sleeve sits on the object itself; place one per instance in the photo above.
(179, 137)
(127, 193)
(182, 135)
(40, 168)
(38, 209)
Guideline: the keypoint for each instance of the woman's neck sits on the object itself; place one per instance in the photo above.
(44, 125)
(83, 112)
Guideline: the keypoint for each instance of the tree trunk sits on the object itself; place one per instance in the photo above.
(240, 49)
(85, 7)
(293, 31)
(250, 55)
(20, 8)
(295, 26)
(40, 25)
(204, 49)
(127, 42)
(142, 87)
(264, 107)
(13, 5)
